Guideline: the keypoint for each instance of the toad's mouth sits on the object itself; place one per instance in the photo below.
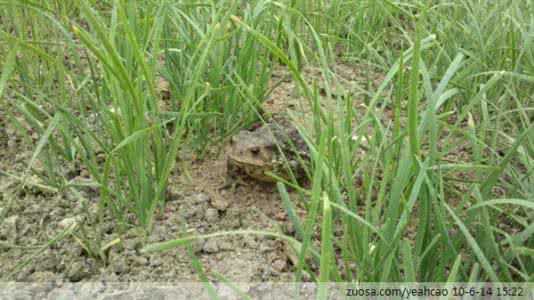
(249, 163)
(254, 169)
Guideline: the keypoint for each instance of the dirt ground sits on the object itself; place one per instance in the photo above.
(33, 217)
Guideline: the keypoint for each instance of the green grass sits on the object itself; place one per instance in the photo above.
(452, 161)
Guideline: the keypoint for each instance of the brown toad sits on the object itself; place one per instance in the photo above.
(270, 148)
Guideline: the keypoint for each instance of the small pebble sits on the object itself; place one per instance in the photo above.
(278, 266)
(219, 203)
(76, 272)
(155, 261)
(212, 215)
(198, 245)
(191, 211)
(59, 212)
(119, 265)
(68, 222)
(139, 260)
(211, 246)
(200, 198)
(131, 244)
(157, 234)
(233, 218)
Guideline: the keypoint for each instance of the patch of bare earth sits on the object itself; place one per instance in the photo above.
(33, 217)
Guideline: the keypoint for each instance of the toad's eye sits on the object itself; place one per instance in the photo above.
(255, 150)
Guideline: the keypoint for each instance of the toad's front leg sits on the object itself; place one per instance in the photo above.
(234, 178)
